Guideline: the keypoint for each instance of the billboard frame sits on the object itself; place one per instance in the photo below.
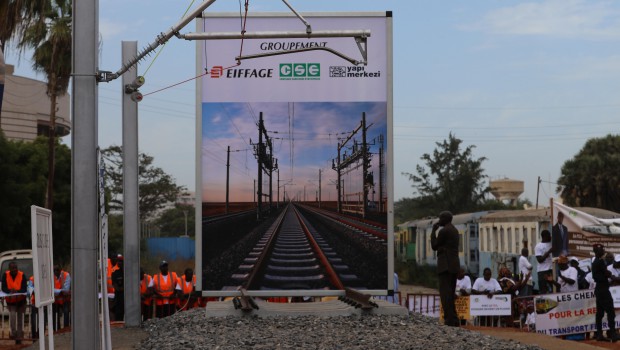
(200, 70)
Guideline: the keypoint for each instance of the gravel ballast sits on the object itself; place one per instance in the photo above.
(194, 330)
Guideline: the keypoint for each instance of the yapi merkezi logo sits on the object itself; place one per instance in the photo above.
(352, 72)
(300, 71)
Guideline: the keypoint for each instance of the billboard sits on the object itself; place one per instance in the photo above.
(294, 155)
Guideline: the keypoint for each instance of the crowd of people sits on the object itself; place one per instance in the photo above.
(19, 293)
(161, 294)
(553, 247)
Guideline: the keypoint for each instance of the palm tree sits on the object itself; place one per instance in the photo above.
(50, 38)
(16, 15)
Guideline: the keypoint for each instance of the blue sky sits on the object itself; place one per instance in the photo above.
(318, 128)
(527, 82)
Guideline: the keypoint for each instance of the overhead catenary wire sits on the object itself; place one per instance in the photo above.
(163, 46)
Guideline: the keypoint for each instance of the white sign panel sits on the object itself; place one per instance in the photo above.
(497, 305)
(43, 255)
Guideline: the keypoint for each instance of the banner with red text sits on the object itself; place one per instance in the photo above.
(570, 313)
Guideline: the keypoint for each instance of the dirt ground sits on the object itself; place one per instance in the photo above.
(129, 338)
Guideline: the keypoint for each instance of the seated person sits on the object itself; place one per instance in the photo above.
(486, 284)
(463, 284)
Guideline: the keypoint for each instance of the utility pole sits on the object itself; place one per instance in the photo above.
(537, 191)
(265, 162)
(381, 174)
(319, 188)
(278, 201)
(227, 176)
(131, 211)
(365, 166)
(350, 162)
(84, 141)
(260, 154)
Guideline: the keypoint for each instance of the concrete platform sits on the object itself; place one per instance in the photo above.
(320, 309)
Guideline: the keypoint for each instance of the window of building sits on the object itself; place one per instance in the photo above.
(510, 247)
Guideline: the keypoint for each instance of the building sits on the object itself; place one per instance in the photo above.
(488, 239)
(26, 109)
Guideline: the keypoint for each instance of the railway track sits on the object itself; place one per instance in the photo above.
(371, 231)
(291, 254)
(224, 217)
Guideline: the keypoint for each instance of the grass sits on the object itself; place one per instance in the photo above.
(415, 274)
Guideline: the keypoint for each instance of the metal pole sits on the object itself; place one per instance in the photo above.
(84, 194)
(278, 201)
(365, 166)
(338, 188)
(185, 213)
(227, 176)
(319, 188)
(131, 212)
(261, 150)
(537, 190)
(381, 171)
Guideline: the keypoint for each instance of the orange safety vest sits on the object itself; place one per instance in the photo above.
(165, 289)
(32, 295)
(187, 288)
(144, 284)
(109, 279)
(15, 284)
(58, 284)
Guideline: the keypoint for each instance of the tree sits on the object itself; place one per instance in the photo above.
(454, 180)
(22, 184)
(592, 177)
(172, 221)
(16, 16)
(155, 187)
(50, 37)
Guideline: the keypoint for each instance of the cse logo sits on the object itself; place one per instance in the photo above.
(300, 71)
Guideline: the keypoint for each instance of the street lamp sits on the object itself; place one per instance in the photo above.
(185, 214)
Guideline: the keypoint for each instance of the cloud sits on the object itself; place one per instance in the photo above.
(555, 18)
(109, 29)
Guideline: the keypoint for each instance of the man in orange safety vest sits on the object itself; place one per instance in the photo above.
(146, 300)
(14, 285)
(187, 291)
(163, 286)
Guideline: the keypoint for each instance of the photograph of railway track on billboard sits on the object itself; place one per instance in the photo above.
(295, 163)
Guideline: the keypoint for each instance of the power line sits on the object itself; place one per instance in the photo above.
(507, 108)
(233, 124)
(506, 126)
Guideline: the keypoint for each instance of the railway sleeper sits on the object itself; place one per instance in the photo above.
(293, 256)
(293, 270)
(293, 261)
(309, 278)
(300, 250)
